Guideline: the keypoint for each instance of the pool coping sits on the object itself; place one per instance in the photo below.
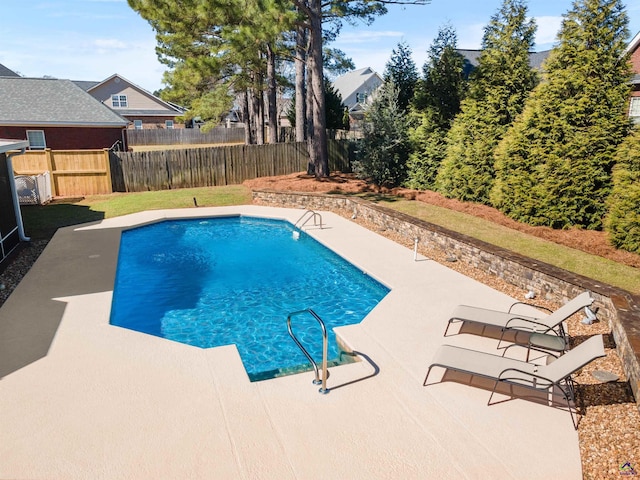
(97, 401)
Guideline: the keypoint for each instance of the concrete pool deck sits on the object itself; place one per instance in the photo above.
(82, 399)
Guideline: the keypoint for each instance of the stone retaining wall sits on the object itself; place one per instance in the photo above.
(619, 307)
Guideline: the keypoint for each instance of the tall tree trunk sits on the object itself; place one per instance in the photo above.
(246, 118)
(272, 95)
(318, 154)
(301, 101)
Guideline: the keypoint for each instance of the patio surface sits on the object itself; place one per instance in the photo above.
(81, 399)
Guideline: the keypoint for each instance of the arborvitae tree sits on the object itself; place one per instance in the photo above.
(435, 104)
(402, 71)
(334, 110)
(498, 90)
(382, 154)
(623, 221)
(554, 167)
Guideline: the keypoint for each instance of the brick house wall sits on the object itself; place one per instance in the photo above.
(70, 138)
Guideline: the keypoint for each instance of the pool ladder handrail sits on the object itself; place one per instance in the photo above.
(317, 381)
(306, 216)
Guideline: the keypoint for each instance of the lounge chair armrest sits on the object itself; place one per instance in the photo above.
(535, 379)
(541, 307)
(531, 321)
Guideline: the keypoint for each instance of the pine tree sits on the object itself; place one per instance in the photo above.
(382, 155)
(402, 71)
(623, 220)
(435, 104)
(498, 90)
(554, 167)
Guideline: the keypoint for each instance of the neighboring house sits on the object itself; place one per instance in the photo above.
(11, 229)
(357, 88)
(6, 72)
(141, 108)
(633, 49)
(56, 114)
(472, 60)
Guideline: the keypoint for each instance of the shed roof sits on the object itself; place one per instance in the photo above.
(9, 144)
(47, 101)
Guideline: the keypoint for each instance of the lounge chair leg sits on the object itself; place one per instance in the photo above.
(424, 384)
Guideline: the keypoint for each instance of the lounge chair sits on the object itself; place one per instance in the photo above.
(513, 321)
(517, 372)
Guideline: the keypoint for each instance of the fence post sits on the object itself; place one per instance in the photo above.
(51, 167)
(107, 167)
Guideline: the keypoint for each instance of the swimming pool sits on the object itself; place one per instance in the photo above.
(234, 280)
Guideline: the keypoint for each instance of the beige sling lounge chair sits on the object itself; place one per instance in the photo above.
(513, 321)
(517, 372)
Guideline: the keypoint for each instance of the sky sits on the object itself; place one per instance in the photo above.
(93, 39)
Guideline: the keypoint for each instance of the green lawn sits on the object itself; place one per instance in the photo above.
(567, 258)
(42, 222)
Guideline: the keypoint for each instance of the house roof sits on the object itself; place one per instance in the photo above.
(633, 44)
(85, 84)
(177, 110)
(472, 59)
(7, 72)
(48, 101)
(349, 83)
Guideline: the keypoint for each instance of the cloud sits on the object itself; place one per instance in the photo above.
(105, 44)
(548, 27)
(367, 36)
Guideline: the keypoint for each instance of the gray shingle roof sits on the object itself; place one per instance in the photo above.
(132, 112)
(7, 72)
(351, 81)
(85, 84)
(472, 59)
(45, 101)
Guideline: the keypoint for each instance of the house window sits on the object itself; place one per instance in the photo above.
(361, 97)
(634, 109)
(119, 101)
(36, 139)
(168, 123)
(137, 124)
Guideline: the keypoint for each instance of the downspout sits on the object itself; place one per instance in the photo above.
(16, 200)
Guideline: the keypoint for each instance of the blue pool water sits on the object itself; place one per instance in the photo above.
(221, 281)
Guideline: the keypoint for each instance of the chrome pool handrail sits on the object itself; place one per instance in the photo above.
(308, 215)
(323, 389)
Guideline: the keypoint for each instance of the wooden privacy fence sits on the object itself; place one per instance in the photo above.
(93, 172)
(215, 166)
(184, 136)
(73, 172)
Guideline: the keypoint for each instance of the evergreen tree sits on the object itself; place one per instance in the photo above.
(554, 167)
(382, 154)
(435, 104)
(402, 71)
(623, 220)
(497, 94)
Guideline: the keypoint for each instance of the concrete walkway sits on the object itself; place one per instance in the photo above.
(81, 399)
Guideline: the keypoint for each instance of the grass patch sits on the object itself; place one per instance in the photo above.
(42, 221)
(576, 261)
